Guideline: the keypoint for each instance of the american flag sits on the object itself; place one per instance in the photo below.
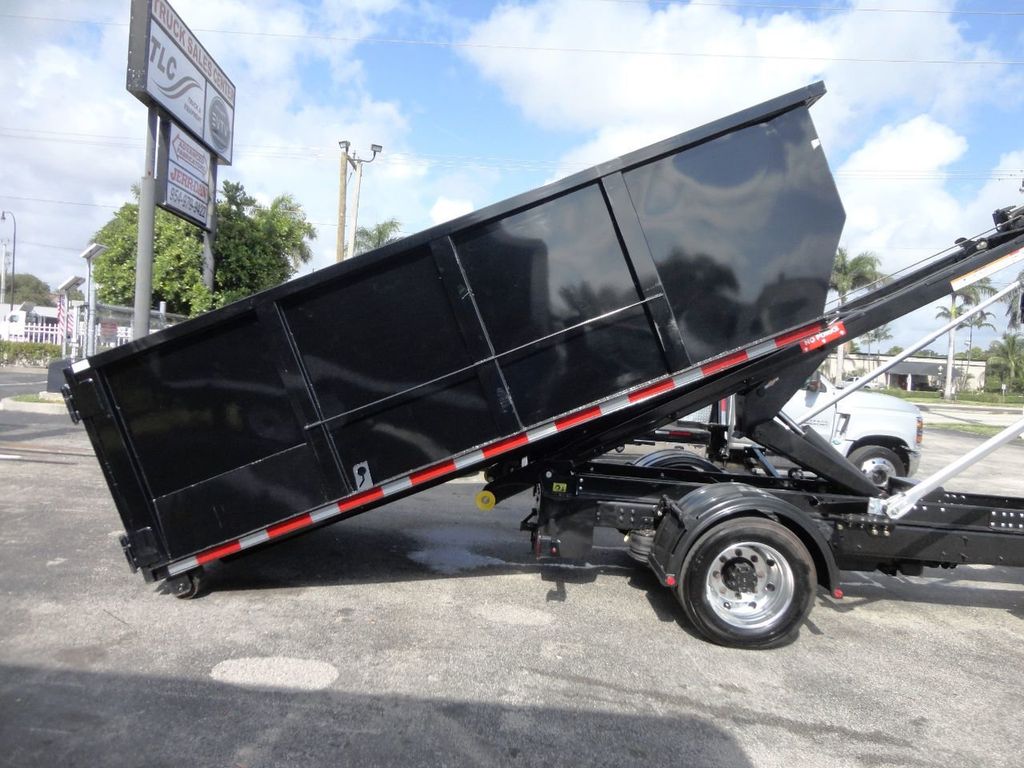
(62, 315)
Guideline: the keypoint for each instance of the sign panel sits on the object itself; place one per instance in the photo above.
(182, 176)
(168, 67)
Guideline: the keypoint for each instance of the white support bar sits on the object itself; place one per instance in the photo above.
(859, 384)
(897, 506)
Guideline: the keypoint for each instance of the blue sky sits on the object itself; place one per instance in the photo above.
(476, 101)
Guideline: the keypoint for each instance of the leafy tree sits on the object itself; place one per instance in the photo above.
(177, 260)
(959, 302)
(28, 287)
(894, 350)
(1006, 358)
(849, 275)
(256, 247)
(378, 235)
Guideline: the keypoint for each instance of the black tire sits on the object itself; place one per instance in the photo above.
(782, 593)
(878, 463)
(188, 585)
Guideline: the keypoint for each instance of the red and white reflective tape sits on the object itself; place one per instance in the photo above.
(819, 340)
(492, 450)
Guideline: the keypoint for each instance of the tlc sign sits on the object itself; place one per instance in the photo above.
(168, 67)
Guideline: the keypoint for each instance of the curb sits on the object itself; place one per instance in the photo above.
(11, 405)
(925, 405)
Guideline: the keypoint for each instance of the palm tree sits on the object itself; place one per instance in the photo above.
(379, 234)
(878, 335)
(979, 321)
(959, 301)
(1013, 304)
(1007, 356)
(848, 275)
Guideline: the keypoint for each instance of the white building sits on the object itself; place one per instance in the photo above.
(914, 373)
(27, 322)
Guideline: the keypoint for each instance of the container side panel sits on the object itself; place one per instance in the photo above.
(743, 230)
(421, 431)
(583, 366)
(126, 485)
(234, 503)
(373, 335)
(199, 409)
(546, 269)
(560, 304)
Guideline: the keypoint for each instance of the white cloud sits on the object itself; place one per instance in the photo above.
(718, 61)
(894, 190)
(446, 209)
(912, 214)
(72, 132)
(895, 180)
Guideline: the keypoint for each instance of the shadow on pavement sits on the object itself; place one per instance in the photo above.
(71, 717)
(941, 589)
(349, 553)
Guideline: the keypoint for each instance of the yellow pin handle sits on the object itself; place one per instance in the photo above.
(485, 501)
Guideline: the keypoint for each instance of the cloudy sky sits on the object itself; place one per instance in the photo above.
(474, 101)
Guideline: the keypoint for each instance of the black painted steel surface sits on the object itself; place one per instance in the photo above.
(468, 332)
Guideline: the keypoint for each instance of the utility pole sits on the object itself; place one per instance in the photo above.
(3, 278)
(356, 163)
(14, 249)
(144, 243)
(210, 234)
(355, 209)
(342, 193)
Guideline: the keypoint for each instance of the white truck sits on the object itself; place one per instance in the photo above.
(880, 434)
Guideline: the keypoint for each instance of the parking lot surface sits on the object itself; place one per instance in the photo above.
(425, 633)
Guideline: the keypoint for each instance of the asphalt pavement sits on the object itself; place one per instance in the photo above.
(424, 633)
(21, 381)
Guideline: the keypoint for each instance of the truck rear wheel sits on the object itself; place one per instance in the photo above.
(747, 583)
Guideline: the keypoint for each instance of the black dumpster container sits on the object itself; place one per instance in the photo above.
(468, 341)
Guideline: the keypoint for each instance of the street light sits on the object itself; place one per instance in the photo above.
(358, 164)
(94, 250)
(14, 250)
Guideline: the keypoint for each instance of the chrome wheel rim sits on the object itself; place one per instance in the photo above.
(749, 585)
(878, 470)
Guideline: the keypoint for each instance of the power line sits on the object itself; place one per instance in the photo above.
(57, 202)
(98, 205)
(818, 8)
(560, 49)
(50, 245)
(438, 160)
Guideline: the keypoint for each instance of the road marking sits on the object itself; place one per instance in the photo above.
(8, 456)
(24, 383)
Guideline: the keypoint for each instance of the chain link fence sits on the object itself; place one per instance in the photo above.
(113, 326)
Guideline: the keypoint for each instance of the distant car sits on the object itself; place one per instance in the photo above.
(873, 384)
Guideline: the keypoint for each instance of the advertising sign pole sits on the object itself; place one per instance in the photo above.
(147, 215)
(211, 232)
(171, 72)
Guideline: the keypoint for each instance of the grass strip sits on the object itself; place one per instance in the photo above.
(984, 430)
